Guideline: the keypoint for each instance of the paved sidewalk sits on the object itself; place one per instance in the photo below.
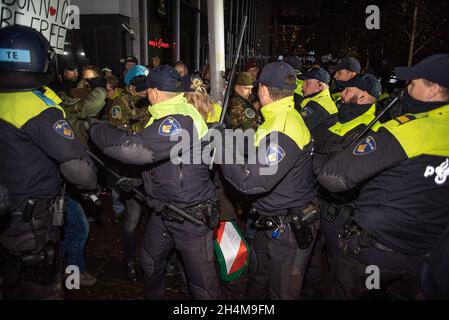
(104, 255)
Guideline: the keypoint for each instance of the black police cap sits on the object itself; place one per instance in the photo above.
(163, 78)
(366, 82)
(316, 73)
(434, 68)
(348, 63)
(278, 75)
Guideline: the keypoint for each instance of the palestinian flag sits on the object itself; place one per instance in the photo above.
(231, 250)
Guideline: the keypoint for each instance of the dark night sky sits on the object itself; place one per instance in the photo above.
(296, 7)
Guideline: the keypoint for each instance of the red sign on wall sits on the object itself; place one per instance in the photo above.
(158, 44)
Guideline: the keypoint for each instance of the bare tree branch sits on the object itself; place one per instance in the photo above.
(418, 32)
(408, 34)
(427, 41)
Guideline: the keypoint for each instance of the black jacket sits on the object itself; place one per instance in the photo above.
(182, 184)
(404, 167)
(30, 157)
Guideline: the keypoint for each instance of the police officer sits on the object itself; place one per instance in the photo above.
(241, 111)
(317, 107)
(346, 69)
(37, 144)
(282, 185)
(357, 110)
(354, 114)
(401, 211)
(184, 185)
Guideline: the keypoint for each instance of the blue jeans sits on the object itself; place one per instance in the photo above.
(76, 232)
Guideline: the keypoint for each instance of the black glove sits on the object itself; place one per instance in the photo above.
(89, 122)
(96, 83)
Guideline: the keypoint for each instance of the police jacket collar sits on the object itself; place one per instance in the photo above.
(313, 94)
(411, 105)
(273, 109)
(178, 105)
(165, 108)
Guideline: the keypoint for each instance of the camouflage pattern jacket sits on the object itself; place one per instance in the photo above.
(242, 113)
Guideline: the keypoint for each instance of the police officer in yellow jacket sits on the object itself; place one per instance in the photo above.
(357, 110)
(317, 107)
(346, 69)
(283, 187)
(36, 145)
(187, 186)
(401, 211)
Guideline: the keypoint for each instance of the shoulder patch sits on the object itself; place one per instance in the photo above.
(306, 112)
(116, 112)
(250, 113)
(275, 154)
(63, 128)
(169, 127)
(404, 119)
(366, 146)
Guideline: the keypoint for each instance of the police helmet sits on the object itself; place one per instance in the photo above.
(136, 71)
(26, 58)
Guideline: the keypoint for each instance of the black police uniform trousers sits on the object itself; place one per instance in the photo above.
(195, 244)
(277, 266)
(131, 220)
(350, 277)
(17, 242)
(331, 231)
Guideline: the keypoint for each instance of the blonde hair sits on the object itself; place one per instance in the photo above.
(200, 99)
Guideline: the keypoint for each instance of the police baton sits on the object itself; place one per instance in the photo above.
(124, 183)
(231, 79)
(375, 120)
(234, 66)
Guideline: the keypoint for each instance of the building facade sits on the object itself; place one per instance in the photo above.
(172, 30)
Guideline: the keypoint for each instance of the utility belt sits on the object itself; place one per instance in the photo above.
(300, 221)
(41, 267)
(36, 211)
(207, 212)
(43, 214)
(41, 264)
(351, 228)
(330, 211)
